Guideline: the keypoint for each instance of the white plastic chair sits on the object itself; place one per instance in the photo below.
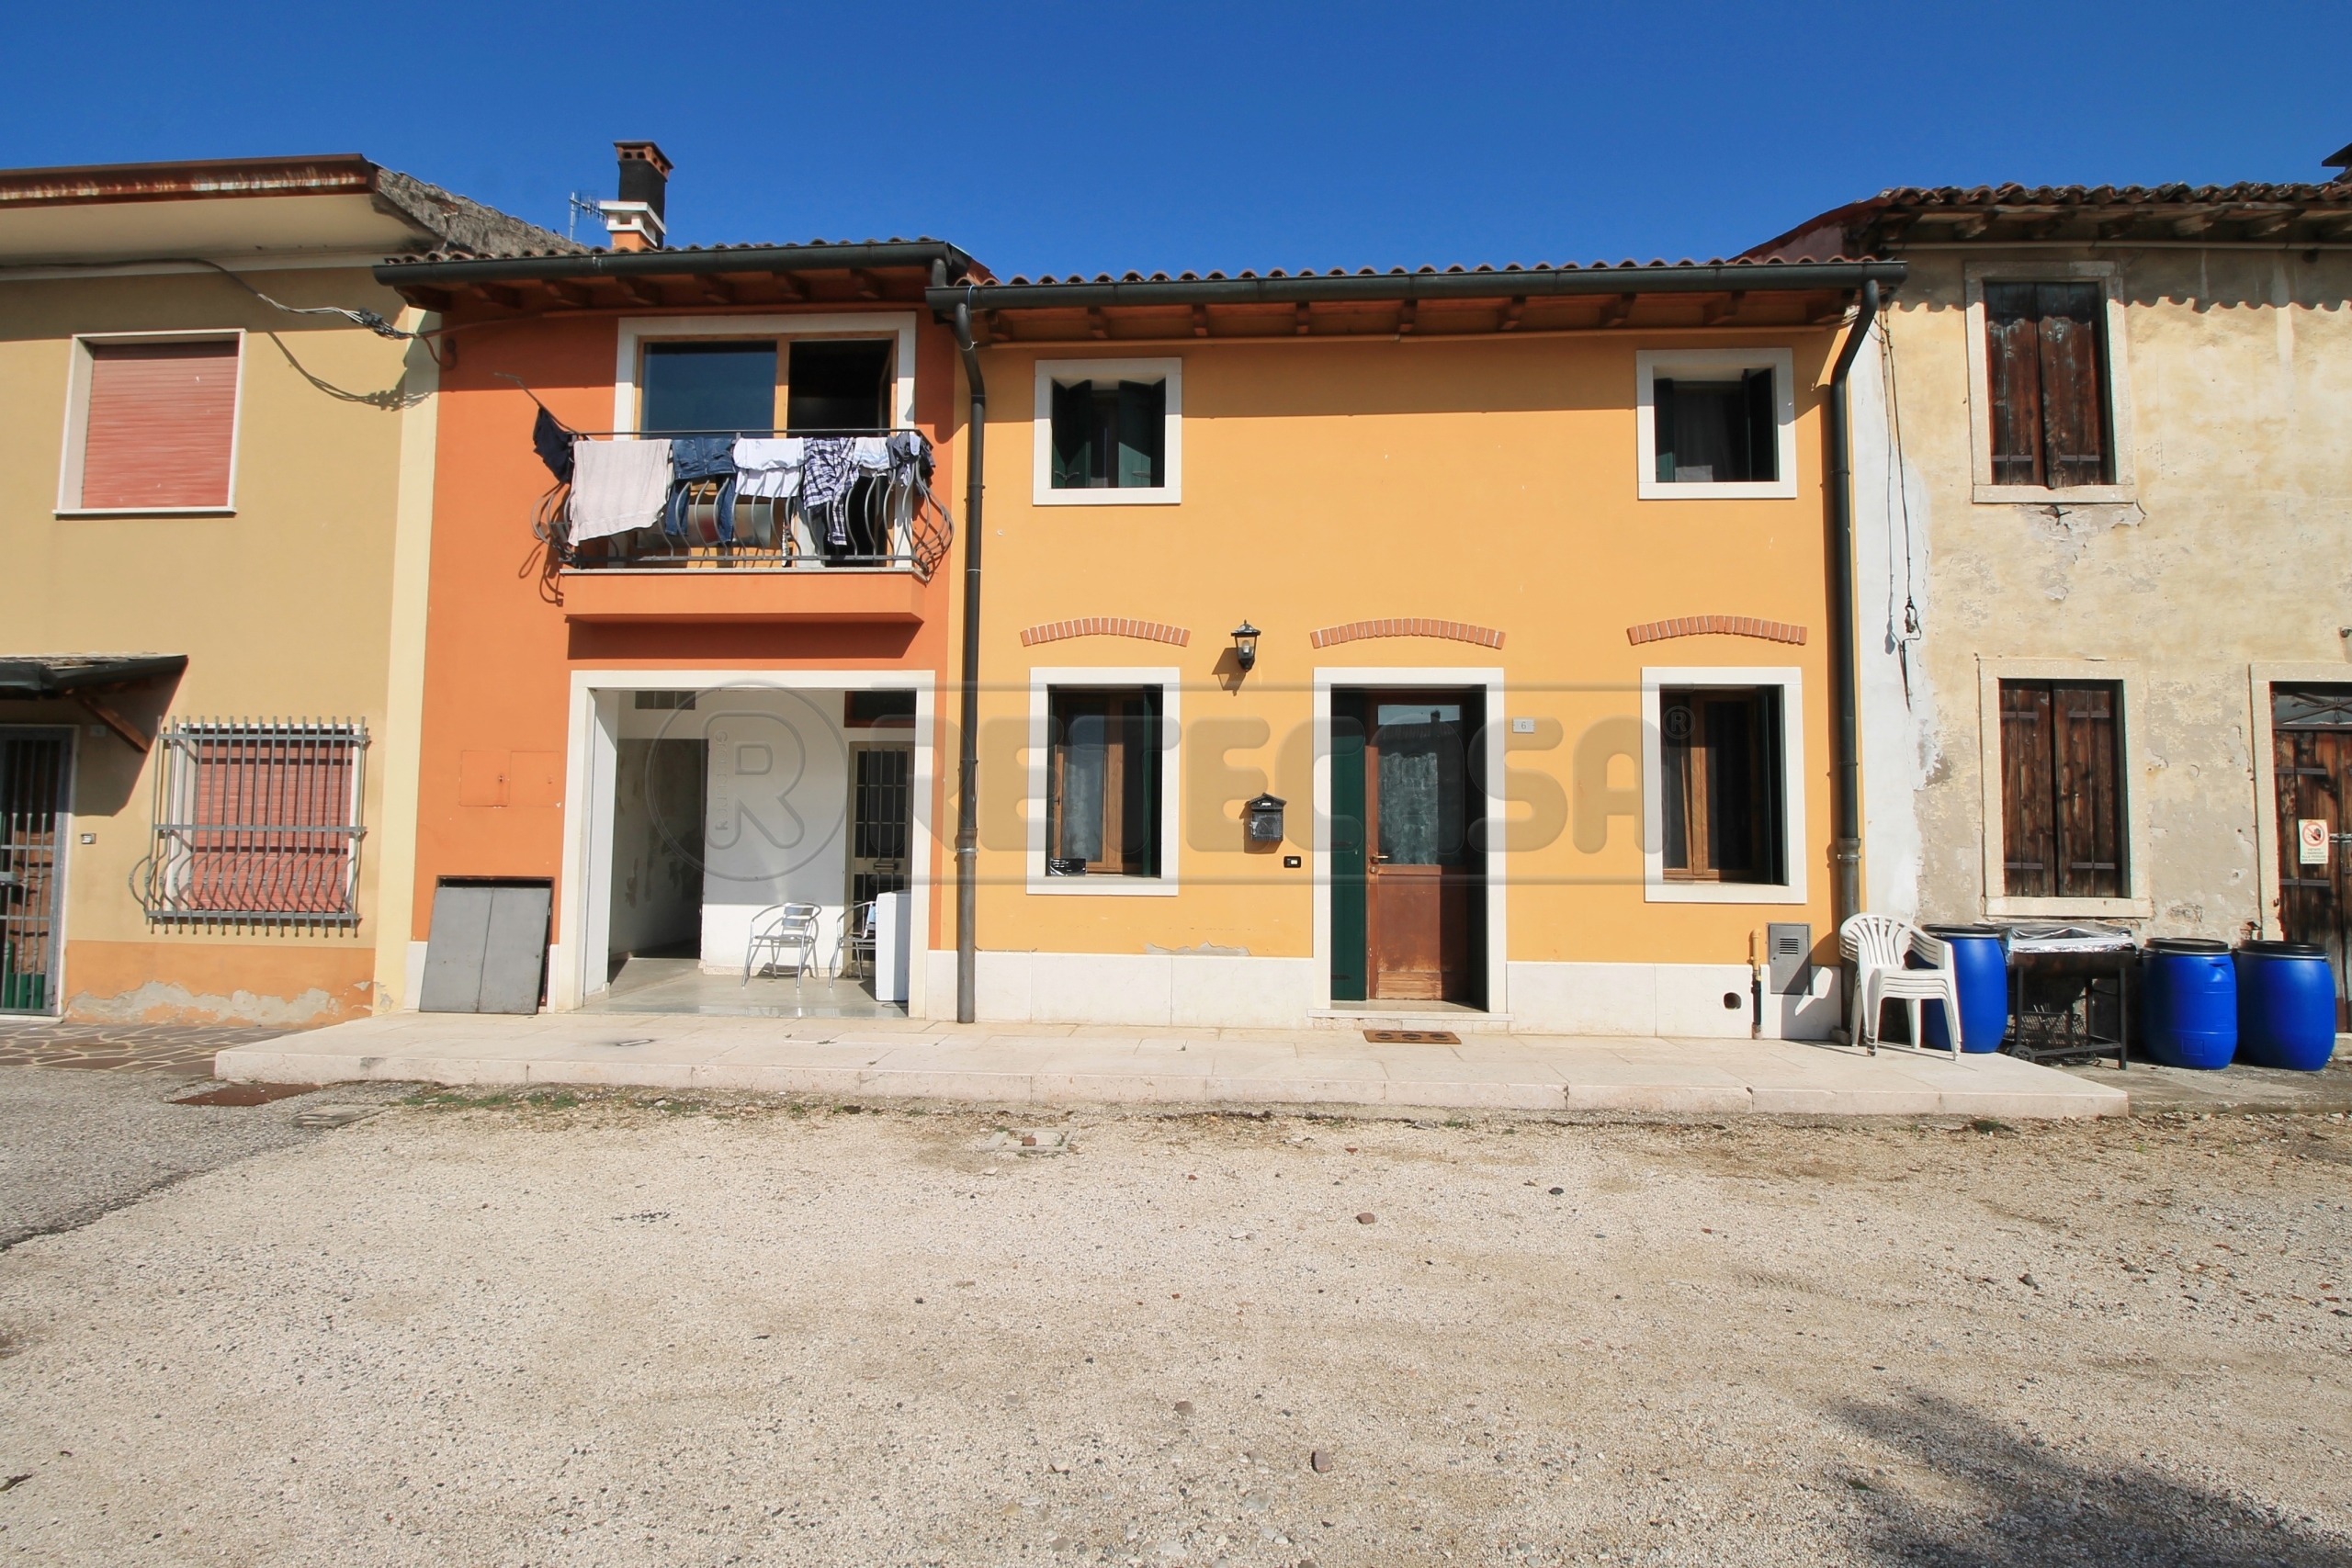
(1878, 945)
(780, 929)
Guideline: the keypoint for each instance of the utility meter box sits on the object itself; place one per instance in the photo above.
(1789, 957)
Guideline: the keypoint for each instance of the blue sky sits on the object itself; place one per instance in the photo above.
(1068, 137)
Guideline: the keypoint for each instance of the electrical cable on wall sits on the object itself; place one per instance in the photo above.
(1898, 500)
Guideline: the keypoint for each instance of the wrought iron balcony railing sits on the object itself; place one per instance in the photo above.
(879, 518)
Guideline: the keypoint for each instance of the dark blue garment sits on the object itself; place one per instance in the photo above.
(553, 443)
(696, 458)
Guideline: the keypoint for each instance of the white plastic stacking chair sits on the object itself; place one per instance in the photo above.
(1878, 945)
(780, 929)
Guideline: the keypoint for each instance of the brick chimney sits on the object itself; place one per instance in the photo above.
(2341, 161)
(635, 221)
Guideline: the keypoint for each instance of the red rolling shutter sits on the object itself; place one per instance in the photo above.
(160, 419)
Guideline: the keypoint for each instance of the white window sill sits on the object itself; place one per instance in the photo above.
(2070, 908)
(1138, 495)
(1102, 886)
(2040, 495)
(1668, 490)
(146, 512)
(1721, 893)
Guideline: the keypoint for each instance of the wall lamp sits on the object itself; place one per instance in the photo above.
(1245, 645)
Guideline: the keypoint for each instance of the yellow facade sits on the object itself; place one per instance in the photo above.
(1490, 482)
(284, 609)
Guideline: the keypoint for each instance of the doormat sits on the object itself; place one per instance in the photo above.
(248, 1094)
(1412, 1037)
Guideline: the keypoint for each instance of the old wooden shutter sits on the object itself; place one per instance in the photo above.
(1073, 413)
(160, 422)
(2073, 402)
(2089, 793)
(2028, 827)
(2013, 347)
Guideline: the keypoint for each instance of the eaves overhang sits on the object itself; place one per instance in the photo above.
(1399, 286)
(431, 281)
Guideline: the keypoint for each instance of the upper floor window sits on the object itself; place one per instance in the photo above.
(1108, 430)
(2049, 383)
(2047, 380)
(808, 386)
(151, 425)
(1717, 423)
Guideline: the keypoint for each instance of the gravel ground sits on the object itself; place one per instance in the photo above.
(75, 1144)
(623, 1331)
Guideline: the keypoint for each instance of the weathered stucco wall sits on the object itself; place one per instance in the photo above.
(2227, 554)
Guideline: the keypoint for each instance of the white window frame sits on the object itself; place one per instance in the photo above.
(2136, 903)
(79, 362)
(1795, 853)
(635, 331)
(1042, 679)
(1979, 384)
(1171, 371)
(1679, 364)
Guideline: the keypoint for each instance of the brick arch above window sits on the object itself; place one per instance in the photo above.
(1105, 625)
(1410, 625)
(1715, 626)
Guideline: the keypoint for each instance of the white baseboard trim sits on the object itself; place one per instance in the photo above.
(1194, 991)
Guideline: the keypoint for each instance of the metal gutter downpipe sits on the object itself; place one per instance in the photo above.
(1847, 786)
(967, 742)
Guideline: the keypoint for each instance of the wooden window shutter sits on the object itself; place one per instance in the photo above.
(1662, 426)
(2013, 350)
(1143, 427)
(2087, 790)
(1763, 426)
(160, 426)
(2074, 401)
(2027, 827)
(1073, 434)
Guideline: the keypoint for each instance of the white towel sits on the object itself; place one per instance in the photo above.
(872, 452)
(769, 465)
(618, 486)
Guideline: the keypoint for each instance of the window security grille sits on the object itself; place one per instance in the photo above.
(256, 822)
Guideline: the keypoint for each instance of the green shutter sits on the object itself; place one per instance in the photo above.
(1073, 433)
(1143, 427)
(1763, 427)
(1662, 422)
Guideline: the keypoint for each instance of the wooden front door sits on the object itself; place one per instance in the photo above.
(2311, 759)
(1421, 882)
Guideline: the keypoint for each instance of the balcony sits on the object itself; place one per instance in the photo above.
(840, 546)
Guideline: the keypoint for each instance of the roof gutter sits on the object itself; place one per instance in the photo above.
(967, 746)
(1715, 277)
(672, 263)
(1846, 852)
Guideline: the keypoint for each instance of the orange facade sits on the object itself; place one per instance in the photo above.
(507, 631)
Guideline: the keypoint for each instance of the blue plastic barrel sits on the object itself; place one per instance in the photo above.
(1980, 955)
(2286, 1006)
(2188, 991)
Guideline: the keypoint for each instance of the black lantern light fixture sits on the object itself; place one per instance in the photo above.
(1245, 645)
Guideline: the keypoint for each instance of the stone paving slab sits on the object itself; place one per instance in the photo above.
(1001, 1064)
(184, 1049)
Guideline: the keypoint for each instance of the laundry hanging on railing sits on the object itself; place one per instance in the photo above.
(552, 440)
(692, 460)
(769, 467)
(616, 486)
(828, 471)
